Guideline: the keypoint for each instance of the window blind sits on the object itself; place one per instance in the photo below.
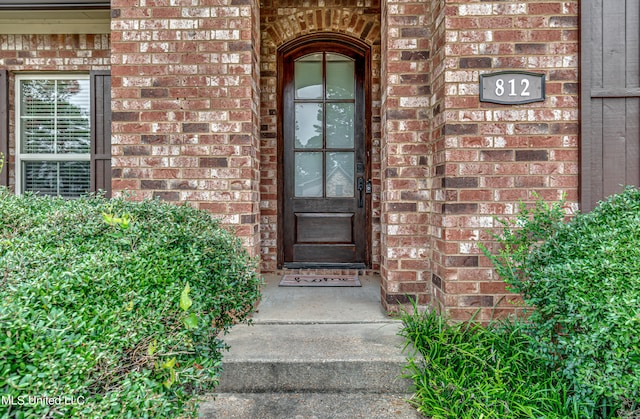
(68, 179)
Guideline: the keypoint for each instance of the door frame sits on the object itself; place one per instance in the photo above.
(290, 47)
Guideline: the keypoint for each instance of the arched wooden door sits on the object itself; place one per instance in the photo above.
(324, 164)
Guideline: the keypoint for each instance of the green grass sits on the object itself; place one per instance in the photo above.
(463, 370)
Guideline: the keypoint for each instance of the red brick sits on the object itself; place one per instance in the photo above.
(166, 79)
(177, 100)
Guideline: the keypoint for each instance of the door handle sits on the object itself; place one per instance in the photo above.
(360, 186)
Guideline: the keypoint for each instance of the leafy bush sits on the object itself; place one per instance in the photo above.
(583, 279)
(114, 308)
(466, 371)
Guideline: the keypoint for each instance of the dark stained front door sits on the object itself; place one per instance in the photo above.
(324, 159)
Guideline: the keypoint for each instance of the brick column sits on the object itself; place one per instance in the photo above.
(450, 163)
(494, 156)
(185, 106)
(405, 153)
(438, 147)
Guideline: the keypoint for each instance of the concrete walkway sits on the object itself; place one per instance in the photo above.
(314, 352)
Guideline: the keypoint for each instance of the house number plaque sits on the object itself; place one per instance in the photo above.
(512, 87)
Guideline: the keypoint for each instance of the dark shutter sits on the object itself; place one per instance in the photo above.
(610, 98)
(101, 131)
(4, 126)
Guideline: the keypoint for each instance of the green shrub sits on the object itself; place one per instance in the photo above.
(114, 305)
(466, 371)
(583, 279)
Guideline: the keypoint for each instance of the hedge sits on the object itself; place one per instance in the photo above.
(583, 279)
(111, 308)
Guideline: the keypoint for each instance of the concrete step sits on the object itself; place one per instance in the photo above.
(308, 406)
(314, 353)
(362, 357)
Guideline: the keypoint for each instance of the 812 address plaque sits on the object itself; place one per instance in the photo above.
(512, 87)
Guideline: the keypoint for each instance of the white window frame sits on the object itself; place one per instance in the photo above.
(39, 157)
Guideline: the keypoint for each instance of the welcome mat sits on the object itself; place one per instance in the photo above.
(292, 280)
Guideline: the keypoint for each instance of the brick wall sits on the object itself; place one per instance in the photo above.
(450, 163)
(189, 123)
(282, 21)
(490, 157)
(48, 53)
(406, 152)
(185, 106)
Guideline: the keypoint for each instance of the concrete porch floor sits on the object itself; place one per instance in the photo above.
(314, 352)
(321, 304)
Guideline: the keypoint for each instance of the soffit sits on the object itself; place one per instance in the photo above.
(53, 4)
(36, 21)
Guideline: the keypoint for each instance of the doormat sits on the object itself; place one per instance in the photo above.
(293, 280)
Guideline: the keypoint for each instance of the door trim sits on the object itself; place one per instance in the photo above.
(290, 47)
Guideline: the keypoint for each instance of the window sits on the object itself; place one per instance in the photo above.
(53, 137)
(51, 133)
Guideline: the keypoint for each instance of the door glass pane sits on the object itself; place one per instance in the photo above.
(308, 77)
(308, 174)
(340, 174)
(308, 125)
(340, 77)
(340, 118)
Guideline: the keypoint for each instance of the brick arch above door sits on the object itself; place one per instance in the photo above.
(278, 26)
(364, 26)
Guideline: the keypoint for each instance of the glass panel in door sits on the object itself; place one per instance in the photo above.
(339, 174)
(324, 125)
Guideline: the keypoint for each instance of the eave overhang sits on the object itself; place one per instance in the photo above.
(53, 5)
